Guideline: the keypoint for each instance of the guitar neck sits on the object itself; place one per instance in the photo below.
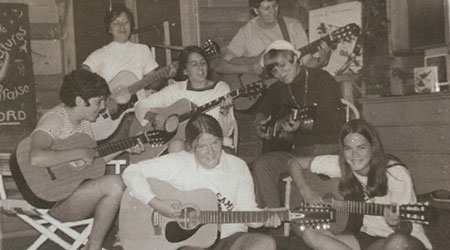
(359, 207)
(116, 146)
(205, 107)
(313, 47)
(149, 79)
(224, 217)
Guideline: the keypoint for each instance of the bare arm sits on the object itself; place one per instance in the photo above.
(296, 168)
(42, 155)
(231, 64)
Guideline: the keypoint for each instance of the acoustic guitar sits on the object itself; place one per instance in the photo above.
(274, 132)
(347, 212)
(43, 186)
(237, 80)
(182, 110)
(124, 87)
(141, 227)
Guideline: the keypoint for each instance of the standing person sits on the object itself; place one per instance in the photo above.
(120, 54)
(297, 86)
(374, 176)
(265, 28)
(83, 97)
(204, 165)
(198, 89)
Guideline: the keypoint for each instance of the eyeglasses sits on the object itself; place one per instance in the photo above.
(116, 24)
(215, 146)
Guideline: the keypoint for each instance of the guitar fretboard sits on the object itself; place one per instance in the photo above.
(208, 217)
(205, 107)
(313, 47)
(116, 146)
(359, 207)
(149, 79)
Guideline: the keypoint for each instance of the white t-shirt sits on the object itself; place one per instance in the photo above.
(178, 91)
(116, 57)
(230, 180)
(400, 191)
(252, 39)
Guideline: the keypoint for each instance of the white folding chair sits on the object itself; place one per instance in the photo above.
(40, 220)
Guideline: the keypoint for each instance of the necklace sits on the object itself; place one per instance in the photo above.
(305, 91)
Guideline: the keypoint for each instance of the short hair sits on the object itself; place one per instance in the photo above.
(184, 56)
(115, 12)
(272, 59)
(199, 124)
(255, 3)
(84, 84)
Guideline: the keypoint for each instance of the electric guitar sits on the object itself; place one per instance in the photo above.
(238, 80)
(124, 87)
(43, 186)
(181, 111)
(141, 227)
(348, 213)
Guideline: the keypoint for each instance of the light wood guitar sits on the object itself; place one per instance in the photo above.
(42, 186)
(349, 211)
(182, 110)
(124, 87)
(143, 228)
(239, 80)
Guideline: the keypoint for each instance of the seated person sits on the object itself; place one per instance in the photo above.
(297, 87)
(83, 96)
(370, 175)
(198, 89)
(203, 165)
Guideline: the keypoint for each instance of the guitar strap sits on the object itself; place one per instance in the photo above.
(283, 28)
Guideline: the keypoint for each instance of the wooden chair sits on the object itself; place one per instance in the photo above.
(40, 220)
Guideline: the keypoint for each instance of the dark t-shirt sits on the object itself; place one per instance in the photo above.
(321, 89)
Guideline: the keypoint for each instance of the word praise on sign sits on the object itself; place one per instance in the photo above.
(17, 93)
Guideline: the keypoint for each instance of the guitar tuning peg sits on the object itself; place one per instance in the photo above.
(302, 228)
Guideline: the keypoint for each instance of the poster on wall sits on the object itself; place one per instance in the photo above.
(346, 56)
(17, 87)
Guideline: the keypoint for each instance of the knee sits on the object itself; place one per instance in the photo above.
(263, 242)
(115, 186)
(175, 145)
(398, 241)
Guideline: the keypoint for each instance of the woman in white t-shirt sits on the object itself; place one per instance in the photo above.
(197, 88)
(120, 55)
(367, 175)
(204, 165)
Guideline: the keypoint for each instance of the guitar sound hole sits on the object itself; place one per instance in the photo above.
(189, 218)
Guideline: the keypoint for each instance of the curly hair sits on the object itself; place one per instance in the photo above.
(114, 13)
(84, 84)
(377, 178)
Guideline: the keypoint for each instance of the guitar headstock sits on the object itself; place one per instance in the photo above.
(211, 48)
(156, 138)
(421, 213)
(305, 112)
(253, 89)
(316, 216)
(345, 33)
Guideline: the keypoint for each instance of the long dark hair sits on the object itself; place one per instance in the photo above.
(349, 186)
(199, 124)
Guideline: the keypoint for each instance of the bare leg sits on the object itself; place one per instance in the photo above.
(398, 241)
(252, 241)
(100, 197)
(176, 145)
(325, 240)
